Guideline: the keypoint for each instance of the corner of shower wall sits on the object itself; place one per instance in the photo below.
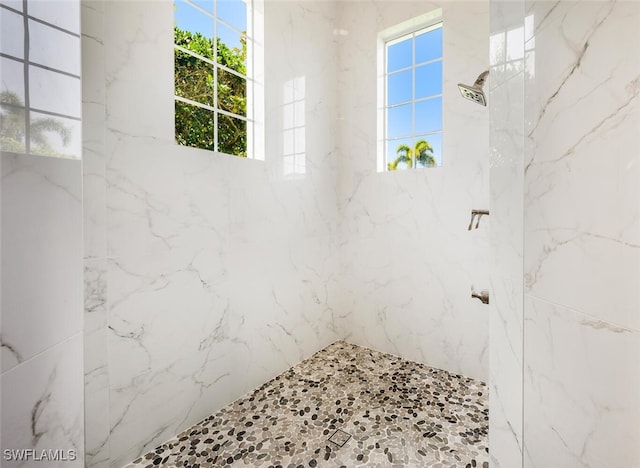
(406, 255)
(96, 384)
(506, 107)
(177, 307)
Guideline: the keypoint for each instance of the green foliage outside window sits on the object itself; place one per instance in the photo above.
(194, 80)
(422, 154)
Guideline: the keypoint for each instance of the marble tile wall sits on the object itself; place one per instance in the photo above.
(582, 234)
(506, 107)
(565, 384)
(41, 378)
(41, 381)
(95, 245)
(206, 275)
(408, 260)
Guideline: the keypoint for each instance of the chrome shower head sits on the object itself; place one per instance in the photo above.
(474, 92)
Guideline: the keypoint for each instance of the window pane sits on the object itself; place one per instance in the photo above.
(54, 92)
(53, 48)
(55, 136)
(232, 92)
(194, 126)
(429, 45)
(233, 12)
(426, 155)
(429, 80)
(424, 151)
(193, 30)
(288, 141)
(400, 55)
(61, 13)
(429, 115)
(11, 33)
(12, 118)
(11, 81)
(299, 114)
(399, 154)
(299, 140)
(206, 5)
(193, 78)
(399, 87)
(289, 165)
(232, 48)
(232, 136)
(399, 121)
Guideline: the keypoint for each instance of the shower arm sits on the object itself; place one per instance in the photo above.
(481, 78)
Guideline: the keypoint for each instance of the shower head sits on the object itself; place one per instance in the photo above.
(474, 92)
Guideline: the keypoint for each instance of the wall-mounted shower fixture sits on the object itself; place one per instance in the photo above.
(479, 214)
(474, 92)
(483, 296)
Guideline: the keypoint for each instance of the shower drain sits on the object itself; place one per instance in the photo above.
(339, 438)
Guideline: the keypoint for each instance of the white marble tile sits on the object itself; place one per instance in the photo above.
(42, 406)
(582, 389)
(97, 407)
(94, 190)
(41, 284)
(96, 399)
(204, 249)
(135, 72)
(167, 337)
(583, 218)
(95, 295)
(506, 354)
(288, 309)
(506, 106)
(407, 256)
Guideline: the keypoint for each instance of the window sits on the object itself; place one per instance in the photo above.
(412, 106)
(214, 85)
(293, 135)
(40, 52)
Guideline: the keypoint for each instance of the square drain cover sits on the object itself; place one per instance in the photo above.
(339, 438)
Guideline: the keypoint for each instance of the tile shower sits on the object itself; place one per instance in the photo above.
(344, 406)
(206, 277)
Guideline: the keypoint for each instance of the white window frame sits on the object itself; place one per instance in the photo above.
(254, 77)
(414, 26)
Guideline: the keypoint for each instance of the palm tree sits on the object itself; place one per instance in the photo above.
(422, 153)
(12, 127)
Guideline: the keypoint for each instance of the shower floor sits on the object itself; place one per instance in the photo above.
(344, 406)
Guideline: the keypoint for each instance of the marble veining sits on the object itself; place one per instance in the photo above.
(507, 39)
(344, 406)
(405, 253)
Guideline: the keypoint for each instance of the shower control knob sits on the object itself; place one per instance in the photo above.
(483, 296)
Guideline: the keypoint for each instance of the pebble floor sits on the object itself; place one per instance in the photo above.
(378, 410)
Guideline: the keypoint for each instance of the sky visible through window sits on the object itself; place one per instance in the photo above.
(414, 95)
(232, 12)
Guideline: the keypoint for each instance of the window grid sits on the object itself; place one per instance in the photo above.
(26, 62)
(294, 162)
(413, 135)
(216, 66)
